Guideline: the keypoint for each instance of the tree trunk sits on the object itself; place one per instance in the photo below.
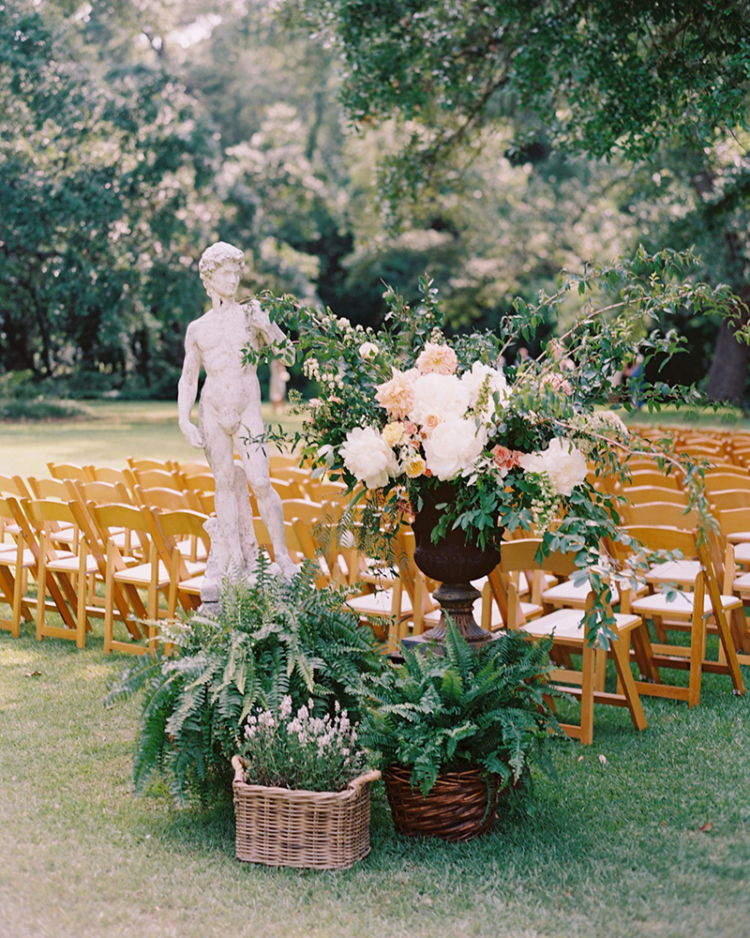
(728, 372)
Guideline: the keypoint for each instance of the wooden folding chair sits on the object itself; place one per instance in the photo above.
(729, 499)
(654, 479)
(151, 576)
(16, 487)
(15, 559)
(565, 627)
(170, 529)
(684, 609)
(71, 571)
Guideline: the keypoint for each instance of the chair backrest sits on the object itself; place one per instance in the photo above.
(13, 485)
(309, 512)
(663, 514)
(730, 498)
(656, 538)
(641, 494)
(168, 528)
(165, 499)
(191, 468)
(68, 471)
(103, 493)
(158, 478)
(286, 489)
(48, 512)
(143, 465)
(721, 481)
(282, 459)
(200, 482)
(734, 520)
(110, 474)
(659, 479)
(50, 488)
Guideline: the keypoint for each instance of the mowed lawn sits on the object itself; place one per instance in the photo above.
(116, 430)
(640, 835)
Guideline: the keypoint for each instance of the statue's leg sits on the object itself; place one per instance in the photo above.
(220, 455)
(248, 540)
(255, 463)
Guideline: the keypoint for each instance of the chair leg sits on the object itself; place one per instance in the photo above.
(587, 695)
(625, 680)
(697, 654)
(108, 604)
(81, 621)
(41, 591)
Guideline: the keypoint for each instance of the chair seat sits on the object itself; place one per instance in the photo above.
(379, 603)
(739, 537)
(568, 624)
(192, 585)
(681, 572)
(742, 552)
(681, 604)
(71, 564)
(8, 559)
(141, 575)
(186, 549)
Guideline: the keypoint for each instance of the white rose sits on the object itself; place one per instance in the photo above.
(474, 379)
(368, 350)
(453, 446)
(564, 464)
(368, 457)
(443, 396)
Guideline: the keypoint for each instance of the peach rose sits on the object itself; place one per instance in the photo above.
(437, 359)
(397, 395)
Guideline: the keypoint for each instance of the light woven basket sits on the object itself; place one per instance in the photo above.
(315, 830)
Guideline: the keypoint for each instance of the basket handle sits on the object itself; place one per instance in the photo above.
(372, 776)
(239, 764)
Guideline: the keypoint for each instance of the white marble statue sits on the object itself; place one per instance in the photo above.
(229, 419)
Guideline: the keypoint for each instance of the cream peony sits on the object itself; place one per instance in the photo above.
(368, 457)
(442, 396)
(453, 446)
(564, 464)
(397, 395)
(437, 359)
(474, 379)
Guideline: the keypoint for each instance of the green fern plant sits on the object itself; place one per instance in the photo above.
(484, 709)
(270, 640)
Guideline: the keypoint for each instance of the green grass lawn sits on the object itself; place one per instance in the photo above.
(116, 430)
(611, 848)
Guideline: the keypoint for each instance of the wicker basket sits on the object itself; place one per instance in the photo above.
(459, 806)
(315, 830)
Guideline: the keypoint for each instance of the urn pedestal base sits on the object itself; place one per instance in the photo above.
(453, 562)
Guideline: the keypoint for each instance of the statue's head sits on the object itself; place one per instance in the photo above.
(221, 268)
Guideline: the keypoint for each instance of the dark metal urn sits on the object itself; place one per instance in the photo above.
(455, 563)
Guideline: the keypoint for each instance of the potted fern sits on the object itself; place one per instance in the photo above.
(453, 731)
(302, 789)
(270, 640)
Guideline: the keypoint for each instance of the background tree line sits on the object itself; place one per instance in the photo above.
(343, 143)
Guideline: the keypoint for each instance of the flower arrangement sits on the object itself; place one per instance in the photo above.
(302, 751)
(406, 409)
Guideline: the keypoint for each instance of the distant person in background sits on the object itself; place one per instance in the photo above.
(277, 385)
(633, 376)
(522, 356)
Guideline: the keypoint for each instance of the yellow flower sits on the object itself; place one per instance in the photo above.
(415, 466)
(393, 432)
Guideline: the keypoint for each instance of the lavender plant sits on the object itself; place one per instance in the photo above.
(302, 751)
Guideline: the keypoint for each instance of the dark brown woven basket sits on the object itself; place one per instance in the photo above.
(311, 829)
(459, 806)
